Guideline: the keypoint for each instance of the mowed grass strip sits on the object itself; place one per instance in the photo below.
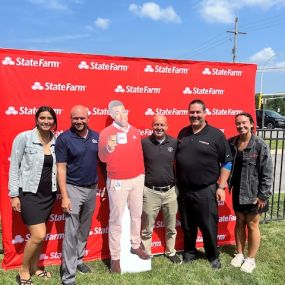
(269, 270)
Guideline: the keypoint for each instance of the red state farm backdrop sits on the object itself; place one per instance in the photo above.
(29, 79)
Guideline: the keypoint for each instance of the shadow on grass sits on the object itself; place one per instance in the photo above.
(228, 249)
(107, 263)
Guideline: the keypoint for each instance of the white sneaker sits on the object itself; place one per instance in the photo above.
(238, 260)
(248, 265)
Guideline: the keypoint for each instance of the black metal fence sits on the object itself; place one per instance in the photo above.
(276, 141)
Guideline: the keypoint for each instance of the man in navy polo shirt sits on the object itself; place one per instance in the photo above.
(76, 154)
(203, 157)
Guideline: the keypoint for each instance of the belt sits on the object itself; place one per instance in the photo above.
(88, 186)
(161, 189)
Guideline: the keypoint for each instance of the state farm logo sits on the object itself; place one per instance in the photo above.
(11, 111)
(149, 112)
(230, 218)
(20, 61)
(50, 86)
(165, 112)
(222, 112)
(145, 132)
(56, 217)
(8, 61)
(156, 244)
(203, 91)
(103, 66)
(137, 89)
(221, 72)
(58, 236)
(99, 231)
(99, 111)
(43, 256)
(18, 239)
(23, 110)
(160, 224)
(166, 69)
(95, 111)
(56, 255)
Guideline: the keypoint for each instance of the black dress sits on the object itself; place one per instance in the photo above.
(36, 208)
(243, 208)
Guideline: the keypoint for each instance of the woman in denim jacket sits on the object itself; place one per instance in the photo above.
(250, 182)
(32, 187)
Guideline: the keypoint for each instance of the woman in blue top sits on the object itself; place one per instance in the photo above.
(32, 187)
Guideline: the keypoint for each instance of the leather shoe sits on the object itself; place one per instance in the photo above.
(140, 253)
(115, 266)
(216, 263)
(188, 258)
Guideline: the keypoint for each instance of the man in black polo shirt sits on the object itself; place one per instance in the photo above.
(203, 155)
(159, 191)
(76, 154)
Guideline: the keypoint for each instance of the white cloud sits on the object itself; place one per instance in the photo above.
(155, 12)
(102, 23)
(262, 3)
(263, 57)
(268, 59)
(224, 11)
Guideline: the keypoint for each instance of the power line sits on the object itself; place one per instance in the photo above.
(264, 23)
(219, 39)
(271, 68)
(236, 33)
(212, 42)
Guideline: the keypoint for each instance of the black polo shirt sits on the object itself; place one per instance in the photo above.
(159, 161)
(199, 156)
(80, 155)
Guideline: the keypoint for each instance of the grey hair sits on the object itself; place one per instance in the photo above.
(114, 103)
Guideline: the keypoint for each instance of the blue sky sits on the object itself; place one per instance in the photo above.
(180, 29)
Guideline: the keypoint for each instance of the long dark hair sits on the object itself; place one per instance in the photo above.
(47, 109)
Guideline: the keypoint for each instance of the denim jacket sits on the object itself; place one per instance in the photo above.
(26, 165)
(257, 170)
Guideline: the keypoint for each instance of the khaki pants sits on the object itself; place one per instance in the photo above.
(122, 192)
(153, 201)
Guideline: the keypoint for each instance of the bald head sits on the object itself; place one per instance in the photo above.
(159, 126)
(79, 109)
(79, 119)
(159, 118)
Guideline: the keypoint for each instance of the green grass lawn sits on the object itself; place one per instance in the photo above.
(270, 268)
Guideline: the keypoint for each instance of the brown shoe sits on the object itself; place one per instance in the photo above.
(140, 253)
(115, 266)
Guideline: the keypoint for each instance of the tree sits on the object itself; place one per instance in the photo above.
(271, 103)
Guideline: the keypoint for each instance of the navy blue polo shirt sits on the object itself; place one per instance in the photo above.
(199, 156)
(80, 155)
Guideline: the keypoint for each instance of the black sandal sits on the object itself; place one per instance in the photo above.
(44, 274)
(21, 281)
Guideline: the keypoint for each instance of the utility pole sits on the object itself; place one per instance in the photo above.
(236, 33)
